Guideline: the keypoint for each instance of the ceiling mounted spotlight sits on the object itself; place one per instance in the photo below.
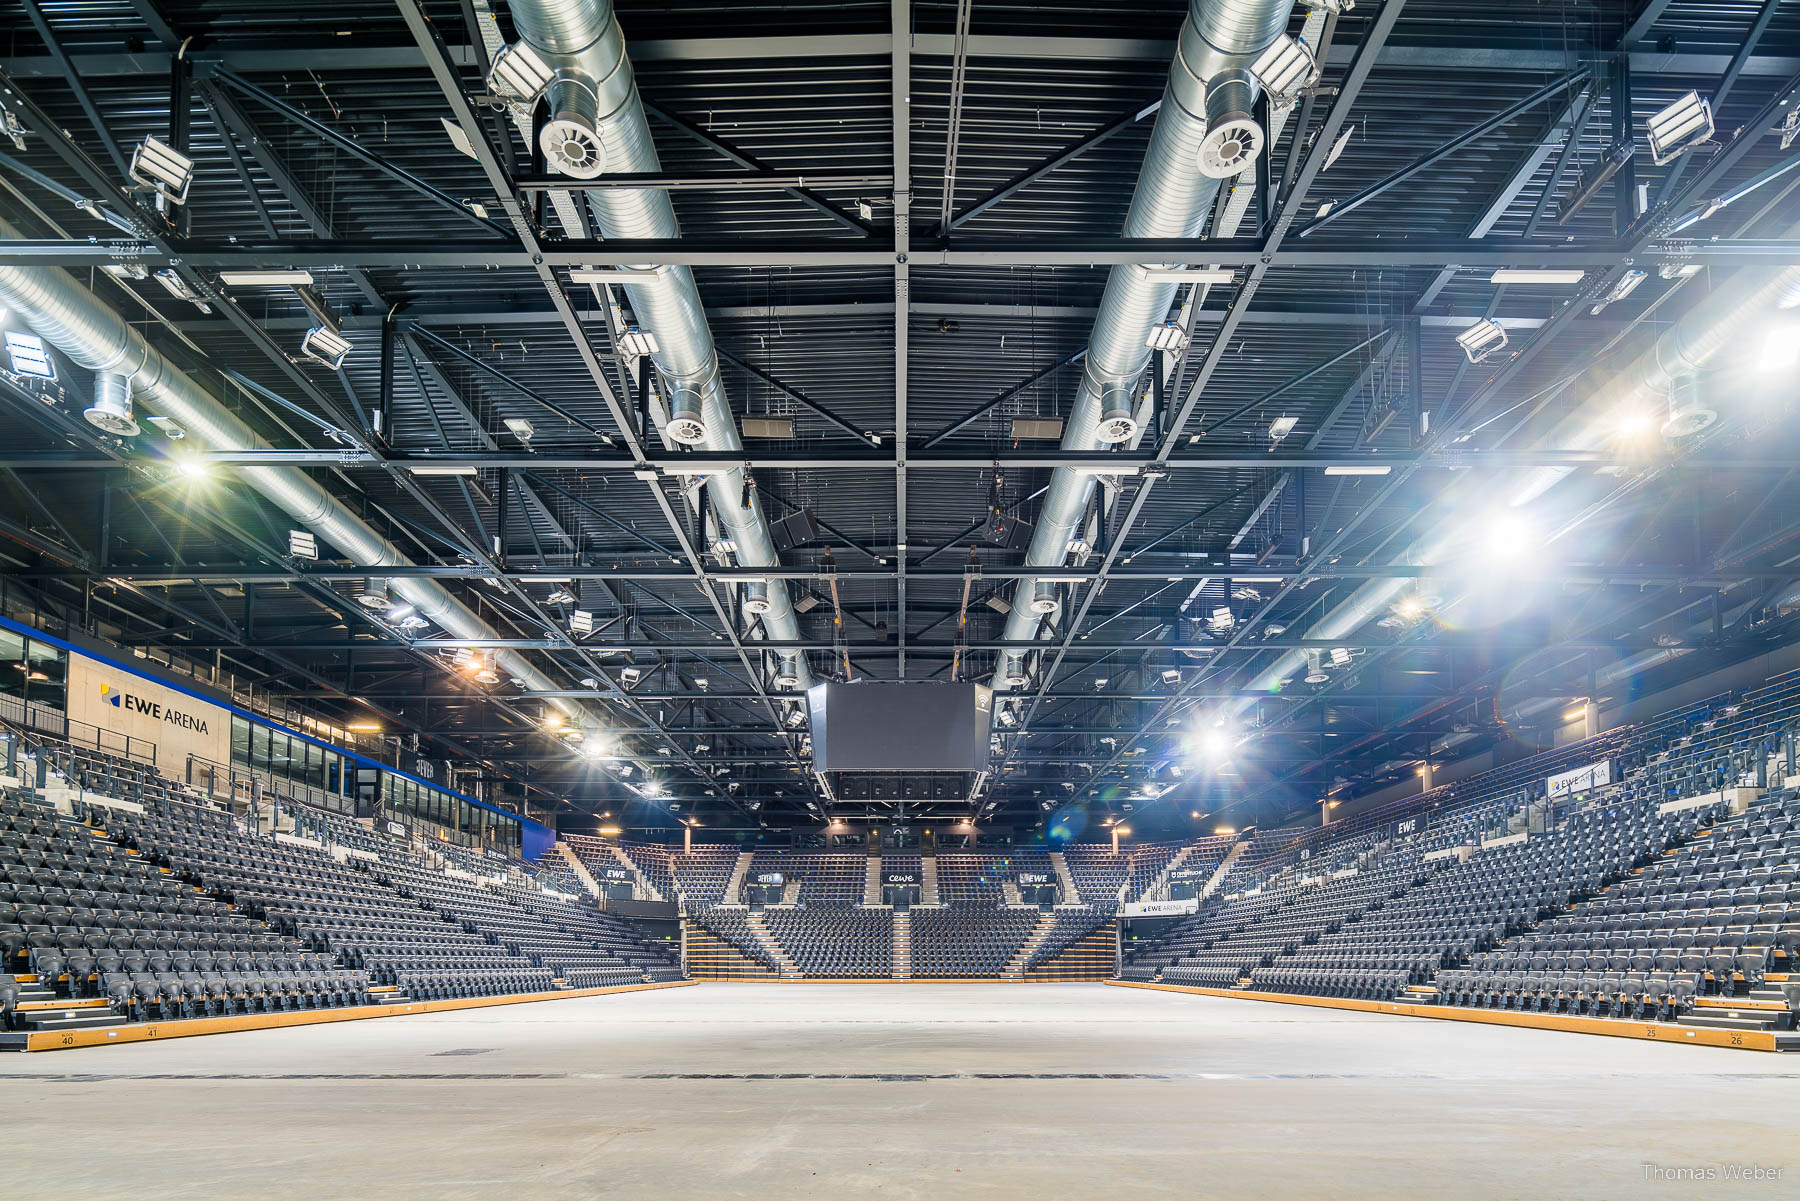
(1482, 340)
(160, 167)
(519, 73)
(1679, 128)
(325, 345)
(629, 676)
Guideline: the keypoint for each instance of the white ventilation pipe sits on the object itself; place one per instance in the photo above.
(1203, 123)
(78, 323)
(581, 41)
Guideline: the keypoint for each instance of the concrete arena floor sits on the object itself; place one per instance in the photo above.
(898, 1091)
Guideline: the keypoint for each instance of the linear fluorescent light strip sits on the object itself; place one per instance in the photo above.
(608, 275)
(265, 279)
(436, 469)
(1186, 275)
(1370, 470)
(1532, 275)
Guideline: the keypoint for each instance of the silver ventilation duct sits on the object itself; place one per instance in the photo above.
(1191, 148)
(111, 410)
(594, 95)
(1681, 351)
(79, 324)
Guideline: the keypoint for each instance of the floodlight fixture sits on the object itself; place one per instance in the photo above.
(1285, 69)
(1482, 340)
(302, 545)
(521, 429)
(1679, 128)
(1626, 285)
(1281, 427)
(581, 622)
(173, 283)
(1169, 337)
(519, 73)
(325, 345)
(806, 602)
(629, 676)
(163, 169)
(29, 356)
(636, 343)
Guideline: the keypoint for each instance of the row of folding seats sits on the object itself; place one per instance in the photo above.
(1638, 995)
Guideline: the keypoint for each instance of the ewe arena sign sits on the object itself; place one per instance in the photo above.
(179, 723)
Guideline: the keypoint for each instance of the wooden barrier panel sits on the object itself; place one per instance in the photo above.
(1662, 1032)
(138, 1032)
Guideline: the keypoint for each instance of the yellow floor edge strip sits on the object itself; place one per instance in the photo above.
(138, 1032)
(1661, 1032)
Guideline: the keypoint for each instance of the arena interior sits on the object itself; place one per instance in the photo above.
(899, 598)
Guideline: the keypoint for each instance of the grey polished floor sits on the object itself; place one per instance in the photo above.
(895, 1091)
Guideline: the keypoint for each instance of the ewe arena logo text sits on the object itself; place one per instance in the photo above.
(154, 710)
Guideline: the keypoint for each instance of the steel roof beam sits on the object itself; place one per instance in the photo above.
(397, 255)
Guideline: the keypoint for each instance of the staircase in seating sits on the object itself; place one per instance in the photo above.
(1015, 967)
(760, 928)
(902, 958)
(734, 887)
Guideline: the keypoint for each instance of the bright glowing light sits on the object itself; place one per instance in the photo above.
(1781, 349)
(192, 468)
(1506, 537)
(1212, 744)
(1224, 830)
(1634, 425)
(553, 721)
